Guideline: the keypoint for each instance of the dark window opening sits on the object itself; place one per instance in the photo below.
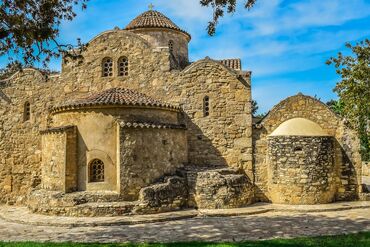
(96, 171)
(170, 45)
(206, 106)
(123, 66)
(107, 67)
(27, 111)
(298, 149)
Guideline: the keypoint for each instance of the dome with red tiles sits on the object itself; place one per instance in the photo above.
(153, 19)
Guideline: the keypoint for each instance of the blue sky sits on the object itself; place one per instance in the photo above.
(285, 43)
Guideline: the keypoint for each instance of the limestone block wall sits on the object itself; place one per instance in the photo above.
(223, 138)
(59, 159)
(148, 66)
(20, 141)
(301, 169)
(96, 139)
(161, 38)
(147, 154)
(346, 144)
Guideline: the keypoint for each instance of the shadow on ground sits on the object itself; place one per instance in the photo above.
(218, 229)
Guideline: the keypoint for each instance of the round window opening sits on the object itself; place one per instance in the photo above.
(96, 171)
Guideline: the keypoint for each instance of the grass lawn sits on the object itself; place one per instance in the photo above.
(355, 240)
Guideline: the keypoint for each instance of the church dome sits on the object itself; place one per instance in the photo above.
(153, 19)
(114, 97)
(299, 127)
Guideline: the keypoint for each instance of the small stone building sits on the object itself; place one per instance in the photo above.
(131, 126)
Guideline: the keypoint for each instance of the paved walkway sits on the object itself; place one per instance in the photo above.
(284, 221)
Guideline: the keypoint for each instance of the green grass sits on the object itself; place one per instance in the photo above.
(351, 240)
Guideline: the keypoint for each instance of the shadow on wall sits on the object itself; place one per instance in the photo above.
(201, 150)
(347, 174)
(258, 134)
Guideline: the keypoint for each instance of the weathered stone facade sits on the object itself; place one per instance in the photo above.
(345, 145)
(89, 134)
(302, 169)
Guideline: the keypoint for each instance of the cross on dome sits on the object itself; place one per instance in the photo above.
(151, 6)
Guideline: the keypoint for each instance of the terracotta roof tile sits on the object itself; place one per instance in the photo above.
(153, 19)
(114, 96)
(235, 63)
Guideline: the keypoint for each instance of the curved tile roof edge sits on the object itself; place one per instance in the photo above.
(149, 125)
(115, 97)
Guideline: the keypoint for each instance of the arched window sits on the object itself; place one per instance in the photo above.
(107, 66)
(27, 111)
(170, 45)
(123, 66)
(96, 173)
(206, 106)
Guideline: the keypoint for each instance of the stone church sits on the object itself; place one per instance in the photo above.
(132, 126)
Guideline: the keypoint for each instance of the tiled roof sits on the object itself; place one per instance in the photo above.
(115, 97)
(235, 64)
(153, 19)
(151, 125)
(60, 129)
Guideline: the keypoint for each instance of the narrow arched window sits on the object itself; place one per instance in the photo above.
(107, 67)
(170, 45)
(123, 66)
(206, 106)
(26, 111)
(96, 173)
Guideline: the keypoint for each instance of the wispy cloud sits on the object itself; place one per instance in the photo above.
(284, 42)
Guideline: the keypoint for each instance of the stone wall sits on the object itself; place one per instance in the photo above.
(96, 139)
(147, 154)
(223, 138)
(346, 143)
(301, 169)
(20, 142)
(161, 38)
(59, 159)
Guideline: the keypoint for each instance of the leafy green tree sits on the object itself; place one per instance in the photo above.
(29, 29)
(336, 106)
(219, 7)
(354, 89)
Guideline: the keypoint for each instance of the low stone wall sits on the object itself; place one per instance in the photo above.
(301, 169)
(219, 188)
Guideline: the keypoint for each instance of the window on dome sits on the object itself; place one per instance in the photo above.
(107, 67)
(96, 173)
(170, 45)
(206, 106)
(27, 111)
(123, 66)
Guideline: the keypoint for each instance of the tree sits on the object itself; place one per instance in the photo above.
(254, 107)
(29, 28)
(336, 106)
(354, 89)
(219, 7)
